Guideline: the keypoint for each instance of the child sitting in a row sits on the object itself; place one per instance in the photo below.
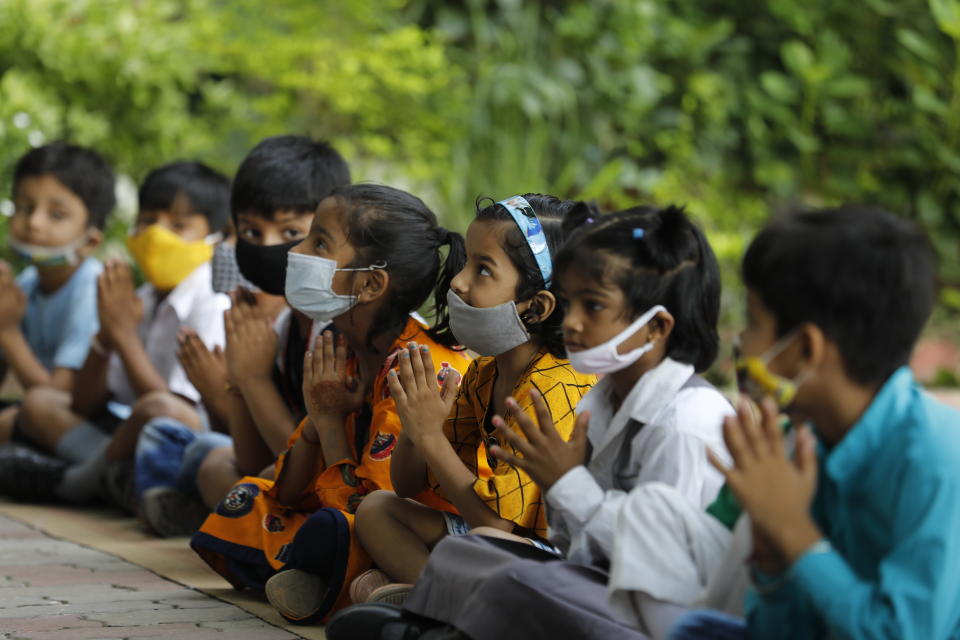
(130, 373)
(640, 289)
(62, 195)
(371, 259)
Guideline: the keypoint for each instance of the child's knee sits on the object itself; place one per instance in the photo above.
(376, 504)
(156, 404)
(39, 404)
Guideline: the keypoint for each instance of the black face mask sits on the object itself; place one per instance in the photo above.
(265, 266)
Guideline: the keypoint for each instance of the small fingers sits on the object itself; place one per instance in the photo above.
(511, 437)
(524, 421)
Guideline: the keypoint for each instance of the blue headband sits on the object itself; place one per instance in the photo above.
(523, 214)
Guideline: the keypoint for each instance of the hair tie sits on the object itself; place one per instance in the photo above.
(638, 233)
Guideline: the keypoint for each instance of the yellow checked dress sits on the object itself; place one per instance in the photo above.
(510, 492)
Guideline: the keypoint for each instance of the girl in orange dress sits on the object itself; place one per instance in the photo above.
(371, 259)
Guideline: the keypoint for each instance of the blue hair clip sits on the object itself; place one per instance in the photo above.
(523, 214)
(638, 233)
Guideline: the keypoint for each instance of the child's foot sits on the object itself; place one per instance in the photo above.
(366, 583)
(296, 594)
(170, 513)
(29, 475)
(395, 594)
(117, 487)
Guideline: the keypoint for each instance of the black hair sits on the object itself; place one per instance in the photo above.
(655, 256)
(550, 211)
(388, 225)
(83, 171)
(865, 277)
(287, 173)
(207, 190)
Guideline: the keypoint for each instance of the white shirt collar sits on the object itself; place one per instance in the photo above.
(192, 288)
(652, 392)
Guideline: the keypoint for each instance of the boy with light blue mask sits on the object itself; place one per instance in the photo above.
(62, 195)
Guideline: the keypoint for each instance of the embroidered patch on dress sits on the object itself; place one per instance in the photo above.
(239, 500)
(382, 447)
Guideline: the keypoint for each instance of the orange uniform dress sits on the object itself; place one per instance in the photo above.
(250, 535)
(507, 490)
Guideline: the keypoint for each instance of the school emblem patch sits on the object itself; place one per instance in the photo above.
(239, 500)
(382, 447)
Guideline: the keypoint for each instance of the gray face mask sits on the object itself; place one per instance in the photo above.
(225, 273)
(489, 331)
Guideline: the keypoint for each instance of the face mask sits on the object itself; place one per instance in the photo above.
(755, 379)
(604, 358)
(49, 257)
(309, 287)
(265, 266)
(225, 274)
(165, 258)
(489, 331)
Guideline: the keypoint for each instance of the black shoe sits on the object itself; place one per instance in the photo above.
(376, 621)
(29, 475)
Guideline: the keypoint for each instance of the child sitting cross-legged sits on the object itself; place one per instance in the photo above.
(62, 195)
(372, 257)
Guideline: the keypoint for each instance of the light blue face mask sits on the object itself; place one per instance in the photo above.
(309, 286)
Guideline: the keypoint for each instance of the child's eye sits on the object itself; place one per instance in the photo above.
(292, 233)
(318, 244)
(249, 234)
(594, 307)
(58, 215)
(483, 271)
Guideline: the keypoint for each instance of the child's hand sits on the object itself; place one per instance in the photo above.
(546, 456)
(774, 490)
(422, 407)
(13, 301)
(328, 391)
(251, 343)
(119, 307)
(206, 369)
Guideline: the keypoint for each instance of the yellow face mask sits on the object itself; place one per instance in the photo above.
(165, 258)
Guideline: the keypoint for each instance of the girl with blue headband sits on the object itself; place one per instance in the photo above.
(502, 306)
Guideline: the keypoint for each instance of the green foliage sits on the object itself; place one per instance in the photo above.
(734, 109)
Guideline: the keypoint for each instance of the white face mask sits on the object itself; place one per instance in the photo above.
(309, 286)
(489, 331)
(46, 257)
(604, 358)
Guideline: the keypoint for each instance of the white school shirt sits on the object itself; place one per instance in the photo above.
(679, 423)
(194, 304)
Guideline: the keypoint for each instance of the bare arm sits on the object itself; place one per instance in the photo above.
(408, 468)
(30, 372)
(90, 384)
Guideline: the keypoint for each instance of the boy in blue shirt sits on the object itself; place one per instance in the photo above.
(62, 195)
(857, 535)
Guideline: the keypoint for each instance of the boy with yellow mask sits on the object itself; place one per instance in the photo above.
(132, 374)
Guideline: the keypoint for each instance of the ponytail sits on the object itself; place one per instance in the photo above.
(452, 265)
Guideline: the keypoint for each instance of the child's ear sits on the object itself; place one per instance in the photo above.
(661, 325)
(539, 308)
(812, 344)
(94, 239)
(373, 285)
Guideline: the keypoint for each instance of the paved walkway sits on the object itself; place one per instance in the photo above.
(52, 589)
